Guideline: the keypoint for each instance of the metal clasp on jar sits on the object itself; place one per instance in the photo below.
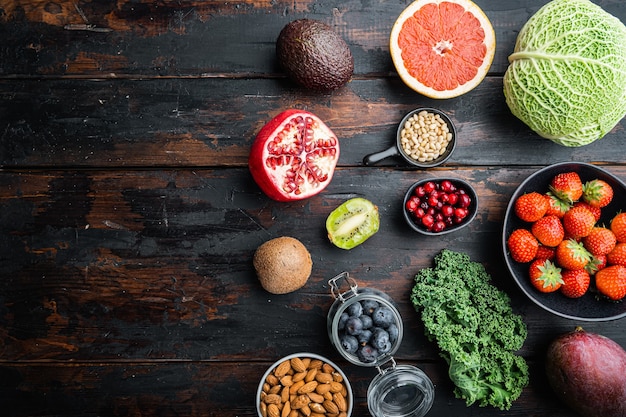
(335, 287)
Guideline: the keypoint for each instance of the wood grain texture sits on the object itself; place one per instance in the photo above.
(128, 216)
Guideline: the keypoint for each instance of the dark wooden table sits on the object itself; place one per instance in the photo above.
(129, 218)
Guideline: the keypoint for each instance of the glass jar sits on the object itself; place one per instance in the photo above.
(397, 390)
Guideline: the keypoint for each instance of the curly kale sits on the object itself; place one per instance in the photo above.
(475, 329)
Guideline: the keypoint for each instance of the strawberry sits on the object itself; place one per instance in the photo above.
(548, 230)
(578, 222)
(600, 241)
(575, 282)
(545, 252)
(597, 211)
(597, 263)
(567, 187)
(597, 193)
(531, 207)
(611, 281)
(545, 276)
(618, 226)
(571, 254)
(522, 245)
(556, 207)
(617, 256)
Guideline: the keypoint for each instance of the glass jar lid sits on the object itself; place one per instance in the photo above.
(400, 391)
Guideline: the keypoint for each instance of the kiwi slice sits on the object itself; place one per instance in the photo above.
(352, 223)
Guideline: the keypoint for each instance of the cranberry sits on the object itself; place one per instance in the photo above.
(436, 206)
(428, 221)
(464, 200)
(447, 210)
(447, 186)
(429, 187)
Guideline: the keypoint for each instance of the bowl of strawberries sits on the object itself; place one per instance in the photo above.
(564, 241)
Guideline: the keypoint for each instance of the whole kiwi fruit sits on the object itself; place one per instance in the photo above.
(314, 55)
(282, 265)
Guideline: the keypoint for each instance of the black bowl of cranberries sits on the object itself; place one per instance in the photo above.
(436, 206)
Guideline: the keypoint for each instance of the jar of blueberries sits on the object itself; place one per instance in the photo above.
(365, 327)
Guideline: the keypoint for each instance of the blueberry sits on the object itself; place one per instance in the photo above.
(383, 317)
(349, 343)
(342, 321)
(354, 326)
(369, 306)
(380, 340)
(367, 354)
(394, 333)
(367, 321)
(355, 309)
(364, 337)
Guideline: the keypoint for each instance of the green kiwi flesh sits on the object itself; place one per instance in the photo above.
(352, 223)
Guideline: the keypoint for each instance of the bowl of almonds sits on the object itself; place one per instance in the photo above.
(304, 384)
(426, 138)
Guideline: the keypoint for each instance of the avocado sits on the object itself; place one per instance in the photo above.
(314, 55)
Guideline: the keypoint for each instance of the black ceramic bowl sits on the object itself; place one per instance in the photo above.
(589, 307)
(460, 184)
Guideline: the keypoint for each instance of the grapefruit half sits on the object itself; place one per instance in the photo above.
(442, 48)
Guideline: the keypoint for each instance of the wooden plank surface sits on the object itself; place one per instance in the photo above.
(128, 216)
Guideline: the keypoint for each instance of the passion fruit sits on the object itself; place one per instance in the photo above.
(282, 265)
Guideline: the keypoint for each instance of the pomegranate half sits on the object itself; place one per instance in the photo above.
(293, 156)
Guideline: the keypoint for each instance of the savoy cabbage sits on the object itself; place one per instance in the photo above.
(567, 75)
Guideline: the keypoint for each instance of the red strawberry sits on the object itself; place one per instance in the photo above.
(597, 263)
(545, 276)
(611, 281)
(597, 211)
(597, 193)
(618, 226)
(556, 207)
(617, 256)
(600, 241)
(522, 245)
(578, 222)
(567, 186)
(545, 252)
(548, 230)
(531, 207)
(575, 282)
(572, 255)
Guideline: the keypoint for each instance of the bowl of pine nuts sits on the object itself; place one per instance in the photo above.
(426, 138)
(304, 384)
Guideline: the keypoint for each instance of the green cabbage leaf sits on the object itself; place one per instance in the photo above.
(567, 75)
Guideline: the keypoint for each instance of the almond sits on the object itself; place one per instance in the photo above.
(299, 402)
(310, 375)
(317, 408)
(340, 401)
(308, 387)
(327, 368)
(282, 369)
(315, 364)
(297, 365)
(296, 386)
(299, 376)
(286, 410)
(286, 381)
(271, 380)
(272, 399)
(331, 407)
(323, 378)
(273, 411)
(335, 386)
(322, 389)
(315, 397)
